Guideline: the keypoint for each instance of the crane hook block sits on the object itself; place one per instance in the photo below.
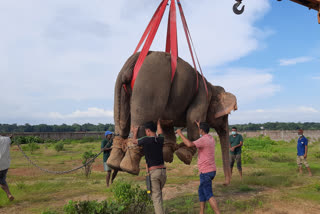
(236, 10)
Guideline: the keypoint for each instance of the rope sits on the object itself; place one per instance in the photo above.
(56, 172)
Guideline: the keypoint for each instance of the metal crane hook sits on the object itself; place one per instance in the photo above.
(235, 7)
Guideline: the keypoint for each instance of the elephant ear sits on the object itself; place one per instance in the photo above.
(227, 103)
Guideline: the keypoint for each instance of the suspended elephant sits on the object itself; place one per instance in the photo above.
(178, 103)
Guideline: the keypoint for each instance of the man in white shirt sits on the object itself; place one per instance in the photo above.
(4, 164)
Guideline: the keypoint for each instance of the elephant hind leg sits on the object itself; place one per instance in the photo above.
(169, 140)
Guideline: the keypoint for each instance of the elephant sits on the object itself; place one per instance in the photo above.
(177, 102)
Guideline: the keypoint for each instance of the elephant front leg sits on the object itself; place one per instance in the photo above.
(185, 153)
(195, 112)
(169, 140)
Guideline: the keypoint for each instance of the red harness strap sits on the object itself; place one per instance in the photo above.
(172, 43)
(188, 35)
(146, 47)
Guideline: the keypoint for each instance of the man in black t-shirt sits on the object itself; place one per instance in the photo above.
(152, 148)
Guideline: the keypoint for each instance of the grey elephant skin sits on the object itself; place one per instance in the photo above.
(178, 103)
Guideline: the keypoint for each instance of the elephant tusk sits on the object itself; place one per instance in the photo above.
(235, 8)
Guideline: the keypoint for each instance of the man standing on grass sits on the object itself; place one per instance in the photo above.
(302, 147)
(206, 165)
(236, 142)
(106, 145)
(152, 148)
(5, 164)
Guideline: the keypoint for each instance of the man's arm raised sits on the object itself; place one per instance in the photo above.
(185, 140)
(159, 129)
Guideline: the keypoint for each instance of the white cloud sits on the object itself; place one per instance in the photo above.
(305, 109)
(246, 83)
(294, 61)
(316, 78)
(289, 114)
(90, 113)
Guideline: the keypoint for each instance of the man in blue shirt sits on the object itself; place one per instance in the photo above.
(302, 148)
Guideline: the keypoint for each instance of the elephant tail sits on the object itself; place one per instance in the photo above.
(122, 95)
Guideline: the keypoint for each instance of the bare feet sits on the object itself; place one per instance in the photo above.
(11, 198)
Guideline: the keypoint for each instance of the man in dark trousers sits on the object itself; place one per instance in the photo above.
(152, 148)
(5, 164)
(302, 151)
(236, 142)
(206, 164)
(106, 145)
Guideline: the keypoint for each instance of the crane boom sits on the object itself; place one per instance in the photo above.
(311, 4)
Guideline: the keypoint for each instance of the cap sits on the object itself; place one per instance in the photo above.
(107, 133)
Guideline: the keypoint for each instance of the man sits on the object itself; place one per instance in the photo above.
(302, 147)
(106, 145)
(236, 142)
(206, 165)
(4, 164)
(152, 148)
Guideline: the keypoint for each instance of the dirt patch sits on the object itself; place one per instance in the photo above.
(290, 208)
(98, 167)
(24, 172)
(171, 191)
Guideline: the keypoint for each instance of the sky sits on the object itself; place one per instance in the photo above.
(59, 59)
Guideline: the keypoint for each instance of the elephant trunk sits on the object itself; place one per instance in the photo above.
(117, 105)
(223, 133)
(122, 98)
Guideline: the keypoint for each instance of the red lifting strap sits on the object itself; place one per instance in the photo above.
(146, 47)
(172, 43)
(188, 35)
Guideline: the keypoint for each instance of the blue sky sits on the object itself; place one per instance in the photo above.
(59, 59)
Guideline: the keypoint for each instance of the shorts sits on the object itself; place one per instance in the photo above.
(106, 167)
(300, 160)
(3, 176)
(205, 187)
(236, 158)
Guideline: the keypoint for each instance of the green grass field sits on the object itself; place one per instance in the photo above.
(271, 183)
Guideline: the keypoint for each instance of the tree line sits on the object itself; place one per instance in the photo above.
(277, 126)
(87, 127)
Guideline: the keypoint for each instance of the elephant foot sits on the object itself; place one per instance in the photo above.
(117, 153)
(168, 150)
(131, 161)
(185, 154)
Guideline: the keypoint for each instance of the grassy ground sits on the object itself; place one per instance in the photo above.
(270, 184)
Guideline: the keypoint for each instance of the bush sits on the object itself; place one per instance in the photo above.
(246, 156)
(134, 199)
(127, 199)
(59, 146)
(87, 156)
(27, 139)
(31, 147)
(260, 143)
